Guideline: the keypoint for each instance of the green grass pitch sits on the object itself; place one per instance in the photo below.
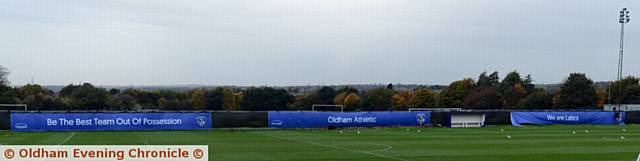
(528, 143)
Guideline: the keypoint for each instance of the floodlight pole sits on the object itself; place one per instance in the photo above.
(624, 18)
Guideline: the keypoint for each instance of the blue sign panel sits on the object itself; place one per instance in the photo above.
(347, 119)
(569, 118)
(109, 121)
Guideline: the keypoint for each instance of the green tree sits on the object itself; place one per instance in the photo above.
(4, 74)
(483, 97)
(510, 80)
(528, 85)
(377, 99)
(620, 87)
(326, 95)
(631, 95)
(113, 103)
(88, 97)
(266, 98)
(455, 93)
(577, 92)
(539, 99)
(185, 104)
(114, 91)
(40, 102)
(121, 102)
(491, 80)
(423, 97)
(62, 103)
(149, 99)
(8, 95)
(128, 102)
(169, 99)
(215, 99)
(67, 90)
(486, 94)
(304, 102)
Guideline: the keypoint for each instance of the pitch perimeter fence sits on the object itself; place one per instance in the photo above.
(260, 119)
(5, 121)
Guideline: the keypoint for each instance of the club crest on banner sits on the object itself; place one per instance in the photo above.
(421, 118)
(201, 121)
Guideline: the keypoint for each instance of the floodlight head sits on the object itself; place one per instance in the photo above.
(624, 16)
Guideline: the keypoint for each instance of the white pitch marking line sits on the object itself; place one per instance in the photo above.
(340, 148)
(67, 139)
(611, 139)
(388, 147)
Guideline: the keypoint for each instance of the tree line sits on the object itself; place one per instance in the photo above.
(488, 91)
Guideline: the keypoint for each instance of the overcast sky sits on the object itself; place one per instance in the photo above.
(317, 42)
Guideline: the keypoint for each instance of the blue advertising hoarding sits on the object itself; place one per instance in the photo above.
(109, 121)
(290, 119)
(568, 118)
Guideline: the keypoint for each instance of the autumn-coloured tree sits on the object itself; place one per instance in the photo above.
(602, 97)
(511, 96)
(402, 100)
(352, 102)
(198, 100)
(339, 99)
(514, 88)
(229, 101)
